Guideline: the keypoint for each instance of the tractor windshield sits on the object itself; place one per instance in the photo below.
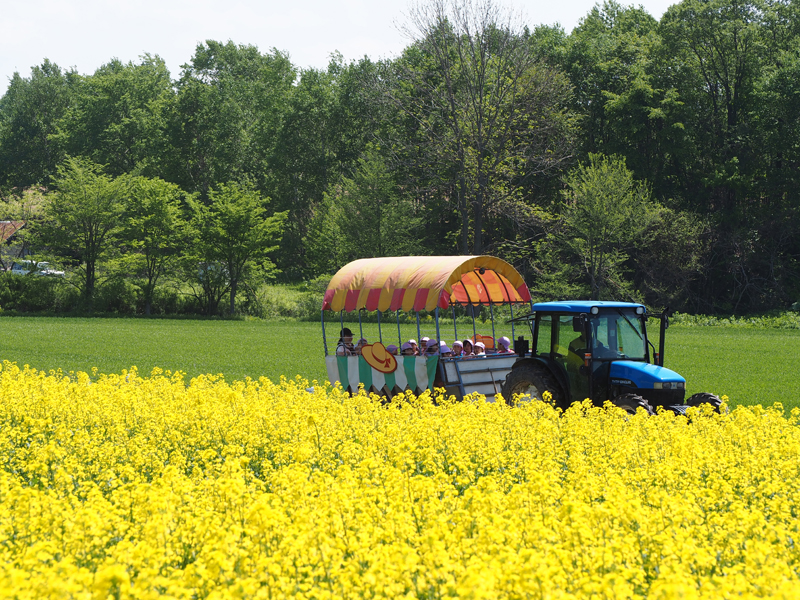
(618, 335)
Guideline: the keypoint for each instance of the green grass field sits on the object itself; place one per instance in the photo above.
(751, 366)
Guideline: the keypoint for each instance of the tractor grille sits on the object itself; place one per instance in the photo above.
(661, 397)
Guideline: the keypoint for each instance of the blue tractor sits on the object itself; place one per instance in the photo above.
(597, 350)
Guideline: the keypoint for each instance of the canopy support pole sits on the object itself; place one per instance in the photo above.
(341, 320)
(474, 333)
(436, 312)
(418, 334)
(324, 341)
(360, 327)
(455, 327)
(511, 306)
(380, 334)
(491, 313)
(399, 338)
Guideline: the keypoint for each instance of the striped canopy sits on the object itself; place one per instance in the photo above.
(423, 283)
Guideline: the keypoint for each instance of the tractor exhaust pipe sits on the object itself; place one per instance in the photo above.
(661, 335)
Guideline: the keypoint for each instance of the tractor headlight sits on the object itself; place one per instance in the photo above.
(595, 310)
(668, 385)
(640, 310)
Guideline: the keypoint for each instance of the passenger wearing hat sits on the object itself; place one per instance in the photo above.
(391, 349)
(444, 350)
(458, 348)
(407, 349)
(480, 349)
(468, 349)
(413, 343)
(432, 347)
(361, 343)
(504, 346)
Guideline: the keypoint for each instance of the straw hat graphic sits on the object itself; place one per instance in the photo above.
(378, 358)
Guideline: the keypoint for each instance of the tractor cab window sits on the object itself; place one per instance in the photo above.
(543, 335)
(569, 353)
(618, 335)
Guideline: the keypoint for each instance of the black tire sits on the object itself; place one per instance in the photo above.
(705, 398)
(532, 379)
(631, 403)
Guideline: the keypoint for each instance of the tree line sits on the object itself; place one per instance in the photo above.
(631, 158)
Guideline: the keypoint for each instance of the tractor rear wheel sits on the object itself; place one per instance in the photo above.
(532, 380)
(705, 398)
(631, 403)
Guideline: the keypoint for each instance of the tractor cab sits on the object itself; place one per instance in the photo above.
(598, 350)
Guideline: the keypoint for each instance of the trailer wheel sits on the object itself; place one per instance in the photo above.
(631, 403)
(531, 380)
(705, 398)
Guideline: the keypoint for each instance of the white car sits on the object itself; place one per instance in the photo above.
(24, 266)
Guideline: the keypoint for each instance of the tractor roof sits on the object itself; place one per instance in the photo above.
(580, 306)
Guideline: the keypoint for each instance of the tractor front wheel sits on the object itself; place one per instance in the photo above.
(631, 403)
(531, 380)
(705, 398)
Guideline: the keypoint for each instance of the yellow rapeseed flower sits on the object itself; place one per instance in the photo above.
(124, 486)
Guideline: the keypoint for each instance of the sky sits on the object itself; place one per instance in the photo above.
(86, 34)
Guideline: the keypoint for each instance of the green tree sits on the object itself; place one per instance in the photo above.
(717, 49)
(494, 116)
(119, 116)
(151, 231)
(82, 218)
(604, 215)
(233, 237)
(615, 62)
(231, 100)
(363, 216)
(329, 119)
(30, 112)
(23, 206)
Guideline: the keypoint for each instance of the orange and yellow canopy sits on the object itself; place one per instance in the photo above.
(423, 283)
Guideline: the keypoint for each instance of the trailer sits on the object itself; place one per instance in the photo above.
(437, 286)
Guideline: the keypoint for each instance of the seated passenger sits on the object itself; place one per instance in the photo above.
(468, 349)
(445, 351)
(407, 349)
(458, 348)
(391, 349)
(345, 345)
(431, 348)
(361, 343)
(480, 349)
(414, 346)
(504, 346)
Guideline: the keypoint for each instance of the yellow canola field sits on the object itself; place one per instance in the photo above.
(125, 486)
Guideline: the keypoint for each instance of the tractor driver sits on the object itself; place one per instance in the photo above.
(578, 346)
